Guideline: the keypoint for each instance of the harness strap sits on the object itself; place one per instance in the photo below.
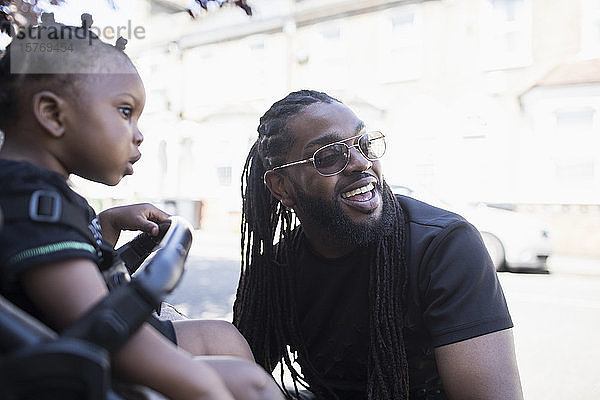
(47, 207)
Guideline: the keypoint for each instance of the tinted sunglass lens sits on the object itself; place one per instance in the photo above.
(373, 145)
(331, 159)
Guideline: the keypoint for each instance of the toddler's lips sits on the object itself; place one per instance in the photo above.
(129, 169)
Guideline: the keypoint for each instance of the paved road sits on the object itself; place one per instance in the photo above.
(207, 289)
(557, 329)
(556, 316)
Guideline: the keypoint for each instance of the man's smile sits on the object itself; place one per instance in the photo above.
(362, 195)
(359, 191)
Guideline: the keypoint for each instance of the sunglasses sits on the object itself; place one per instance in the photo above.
(333, 158)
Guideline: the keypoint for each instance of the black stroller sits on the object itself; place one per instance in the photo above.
(36, 363)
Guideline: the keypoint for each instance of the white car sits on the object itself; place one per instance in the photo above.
(514, 241)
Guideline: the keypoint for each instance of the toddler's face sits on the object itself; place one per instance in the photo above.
(102, 132)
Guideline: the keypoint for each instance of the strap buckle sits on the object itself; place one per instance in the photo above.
(45, 206)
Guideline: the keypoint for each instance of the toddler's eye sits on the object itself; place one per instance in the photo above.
(125, 111)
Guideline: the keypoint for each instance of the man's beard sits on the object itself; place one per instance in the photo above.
(331, 219)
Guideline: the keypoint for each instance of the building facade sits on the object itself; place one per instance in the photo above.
(494, 101)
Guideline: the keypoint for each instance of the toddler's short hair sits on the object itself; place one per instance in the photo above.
(55, 56)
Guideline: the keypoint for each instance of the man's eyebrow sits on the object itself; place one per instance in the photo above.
(328, 138)
(333, 137)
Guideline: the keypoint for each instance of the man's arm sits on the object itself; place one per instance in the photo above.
(482, 368)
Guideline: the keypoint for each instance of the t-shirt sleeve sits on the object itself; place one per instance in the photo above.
(27, 244)
(460, 292)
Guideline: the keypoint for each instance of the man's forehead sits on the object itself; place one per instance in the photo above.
(324, 123)
(319, 117)
(322, 110)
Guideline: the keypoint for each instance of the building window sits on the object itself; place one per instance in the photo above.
(570, 170)
(401, 41)
(590, 28)
(257, 47)
(505, 34)
(224, 176)
(162, 158)
(256, 65)
(328, 61)
(575, 143)
(575, 120)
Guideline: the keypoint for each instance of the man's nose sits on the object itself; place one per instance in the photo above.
(357, 162)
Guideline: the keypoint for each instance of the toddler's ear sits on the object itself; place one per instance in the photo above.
(48, 109)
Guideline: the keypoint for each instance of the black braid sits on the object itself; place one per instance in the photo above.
(264, 310)
(388, 367)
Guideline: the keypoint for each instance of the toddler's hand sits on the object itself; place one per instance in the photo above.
(143, 217)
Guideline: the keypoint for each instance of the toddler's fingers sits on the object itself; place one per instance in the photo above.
(154, 230)
(148, 226)
(156, 214)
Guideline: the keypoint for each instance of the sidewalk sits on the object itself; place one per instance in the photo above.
(226, 245)
(574, 265)
(216, 244)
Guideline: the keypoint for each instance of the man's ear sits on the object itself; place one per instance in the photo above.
(279, 186)
(48, 109)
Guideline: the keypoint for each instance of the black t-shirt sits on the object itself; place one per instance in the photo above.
(453, 295)
(26, 244)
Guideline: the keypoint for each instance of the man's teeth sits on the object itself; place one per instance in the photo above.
(359, 190)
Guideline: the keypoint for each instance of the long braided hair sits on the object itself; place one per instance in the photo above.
(264, 309)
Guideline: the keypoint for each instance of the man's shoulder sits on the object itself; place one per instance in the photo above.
(426, 215)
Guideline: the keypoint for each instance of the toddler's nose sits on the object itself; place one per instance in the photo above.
(138, 138)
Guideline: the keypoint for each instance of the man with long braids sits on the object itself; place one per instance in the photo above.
(374, 296)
